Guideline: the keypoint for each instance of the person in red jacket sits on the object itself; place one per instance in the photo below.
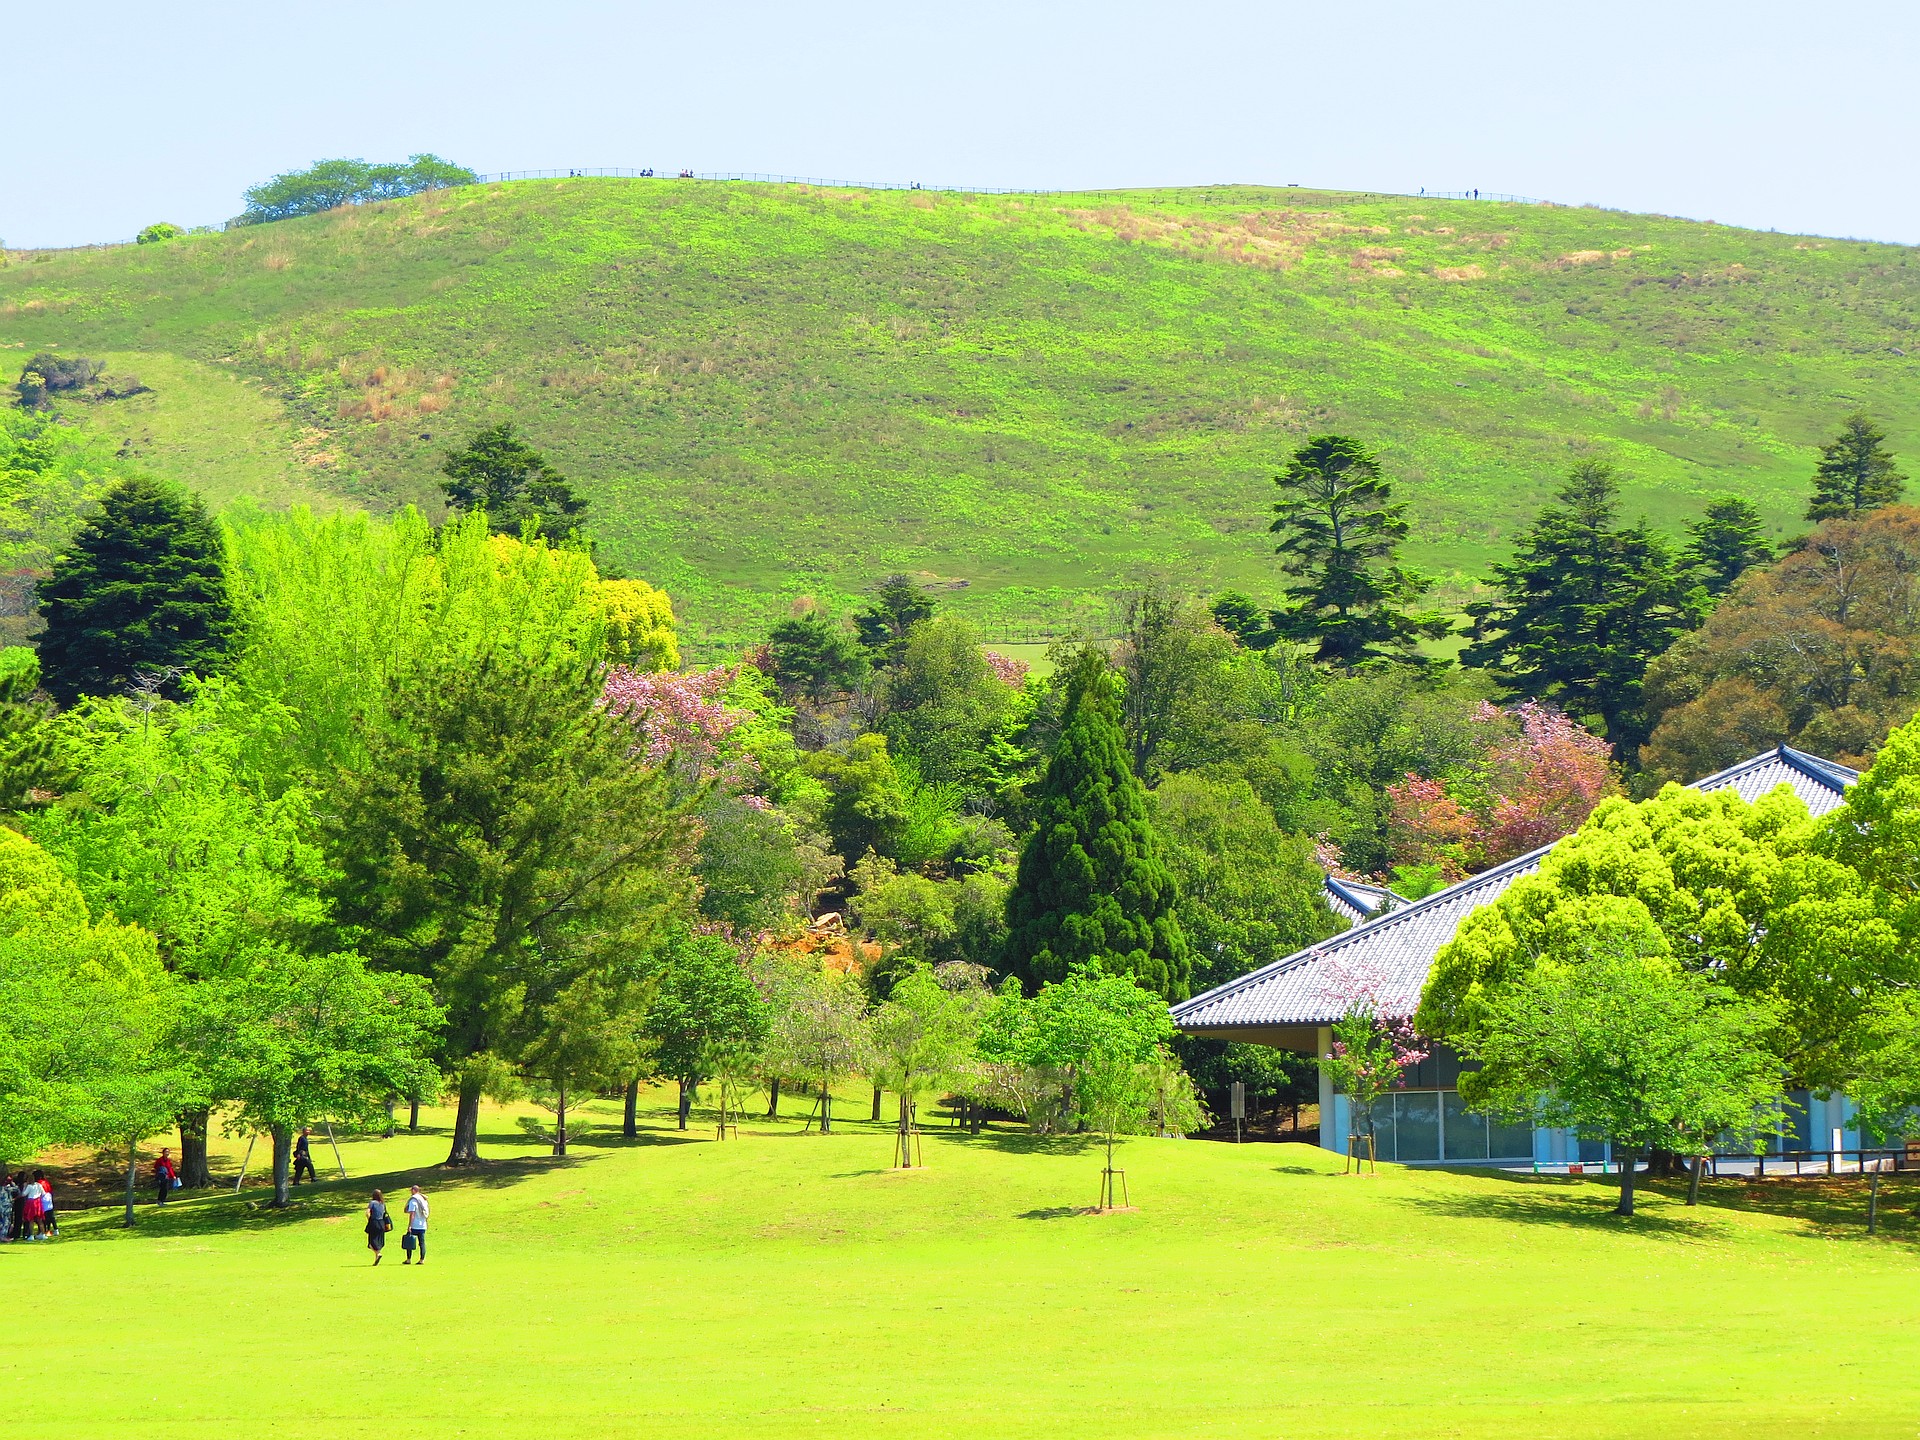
(163, 1176)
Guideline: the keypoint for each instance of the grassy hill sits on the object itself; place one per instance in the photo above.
(769, 390)
(788, 1284)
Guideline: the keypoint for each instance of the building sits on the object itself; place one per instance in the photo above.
(1286, 1004)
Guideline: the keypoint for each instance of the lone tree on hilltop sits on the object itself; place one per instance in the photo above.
(1340, 530)
(138, 597)
(1092, 889)
(1856, 473)
(500, 473)
(1728, 540)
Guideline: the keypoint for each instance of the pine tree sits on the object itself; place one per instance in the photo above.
(1728, 541)
(139, 596)
(501, 474)
(1092, 889)
(1584, 605)
(1341, 530)
(1855, 474)
(898, 605)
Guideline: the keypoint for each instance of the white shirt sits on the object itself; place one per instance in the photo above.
(416, 1212)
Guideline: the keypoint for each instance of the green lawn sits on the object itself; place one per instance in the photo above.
(769, 390)
(793, 1285)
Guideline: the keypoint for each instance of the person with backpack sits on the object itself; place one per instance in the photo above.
(165, 1177)
(414, 1242)
(379, 1222)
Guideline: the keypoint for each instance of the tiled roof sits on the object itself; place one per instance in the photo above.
(1353, 900)
(1397, 948)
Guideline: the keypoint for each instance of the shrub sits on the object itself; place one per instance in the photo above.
(157, 232)
(47, 375)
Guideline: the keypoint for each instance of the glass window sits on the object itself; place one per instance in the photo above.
(1509, 1141)
(1466, 1132)
(1416, 1126)
(1592, 1152)
(1382, 1128)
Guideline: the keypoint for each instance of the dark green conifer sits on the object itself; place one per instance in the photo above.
(500, 473)
(898, 605)
(1856, 473)
(1341, 529)
(138, 597)
(1728, 540)
(1583, 607)
(1092, 889)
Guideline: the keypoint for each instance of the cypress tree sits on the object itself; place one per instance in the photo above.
(1584, 606)
(1340, 529)
(1092, 889)
(1728, 540)
(1855, 474)
(139, 596)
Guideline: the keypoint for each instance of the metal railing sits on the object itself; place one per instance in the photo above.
(1886, 1160)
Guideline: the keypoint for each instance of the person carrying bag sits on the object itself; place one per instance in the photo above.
(379, 1222)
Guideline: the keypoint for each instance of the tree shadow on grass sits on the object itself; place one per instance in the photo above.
(1055, 1212)
(1559, 1211)
(223, 1212)
(1027, 1143)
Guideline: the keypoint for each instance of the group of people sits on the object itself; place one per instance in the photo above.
(380, 1225)
(26, 1207)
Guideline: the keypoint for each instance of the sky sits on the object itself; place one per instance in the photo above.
(1787, 116)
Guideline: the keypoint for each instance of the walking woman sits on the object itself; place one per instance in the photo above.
(379, 1222)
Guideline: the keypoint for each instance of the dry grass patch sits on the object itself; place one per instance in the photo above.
(1459, 272)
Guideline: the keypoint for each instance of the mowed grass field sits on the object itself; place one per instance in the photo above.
(791, 1284)
(771, 390)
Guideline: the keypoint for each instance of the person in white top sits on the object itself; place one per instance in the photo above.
(414, 1242)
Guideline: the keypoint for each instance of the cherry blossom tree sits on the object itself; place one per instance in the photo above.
(1374, 1042)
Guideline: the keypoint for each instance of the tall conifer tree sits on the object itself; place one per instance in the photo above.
(1584, 605)
(1341, 529)
(1092, 888)
(1728, 540)
(139, 596)
(1856, 473)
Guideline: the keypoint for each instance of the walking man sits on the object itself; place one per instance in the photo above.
(303, 1156)
(163, 1176)
(414, 1242)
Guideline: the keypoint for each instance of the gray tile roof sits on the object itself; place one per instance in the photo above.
(1353, 900)
(1397, 948)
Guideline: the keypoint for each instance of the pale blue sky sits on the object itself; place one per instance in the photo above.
(1792, 116)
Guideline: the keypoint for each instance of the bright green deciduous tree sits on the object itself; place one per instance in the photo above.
(943, 703)
(329, 183)
(923, 1038)
(1856, 473)
(137, 597)
(1583, 606)
(1729, 539)
(1621, 1044)
(1735, 892)
(706, 1018)
(296, 1039)
(1092, 889)
(502, 840)
(26, 739)
(821, 1031)
(1341, 530)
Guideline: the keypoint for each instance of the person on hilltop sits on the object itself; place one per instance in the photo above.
(303, 1156)
(379, 1222)
(165, 1177)
(414, 1242)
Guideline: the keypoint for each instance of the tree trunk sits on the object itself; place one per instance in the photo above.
(630, 1117)
(194, 1174)
(876, 1105)
(282, 1162)
(131, 1163)
(773, 1098)
(974, 1117)
(906, 1134)
(392, 1124)
(1693, 1181)
(466, 1124)
(560, 1122)
(1625, 1207)
(826, 1110)
(1873, 1204)
(686, 1102)
(413, 1116)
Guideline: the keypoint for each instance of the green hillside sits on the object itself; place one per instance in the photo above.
(769, 390)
